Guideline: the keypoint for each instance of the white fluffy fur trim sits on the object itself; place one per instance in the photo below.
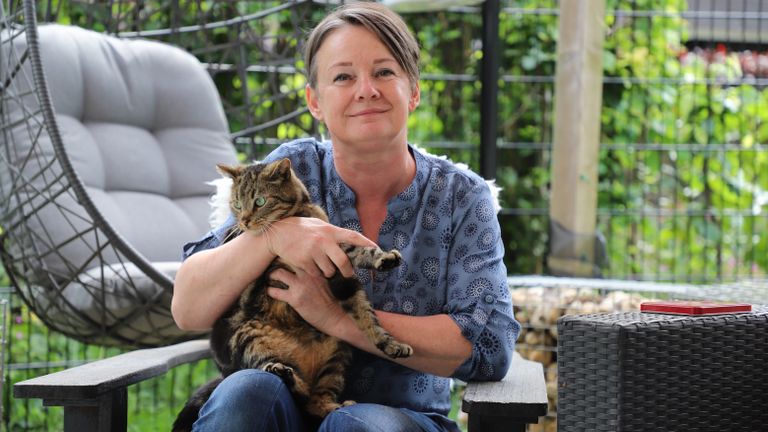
(220, 201)
(495, 189)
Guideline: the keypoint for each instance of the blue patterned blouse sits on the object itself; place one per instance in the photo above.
(445, 226)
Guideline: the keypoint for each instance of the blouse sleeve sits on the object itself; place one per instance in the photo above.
(213, 238)
(479, 300)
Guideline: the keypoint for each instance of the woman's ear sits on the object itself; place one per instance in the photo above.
(413, 102)
(312, 103)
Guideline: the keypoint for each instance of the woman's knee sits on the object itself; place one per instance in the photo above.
(368, 418)
(249, 384)
(250, 399)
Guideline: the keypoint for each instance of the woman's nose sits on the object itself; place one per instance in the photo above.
(366, 88)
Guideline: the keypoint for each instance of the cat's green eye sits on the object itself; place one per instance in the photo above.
(236, 205)
(260, 201)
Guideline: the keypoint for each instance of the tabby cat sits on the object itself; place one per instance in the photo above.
(262, 333)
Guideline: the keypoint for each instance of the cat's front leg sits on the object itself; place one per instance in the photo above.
(290, 377)
(372, 257)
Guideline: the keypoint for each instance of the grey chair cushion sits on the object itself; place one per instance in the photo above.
(144, 127)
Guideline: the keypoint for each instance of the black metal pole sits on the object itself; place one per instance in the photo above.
(489, 78)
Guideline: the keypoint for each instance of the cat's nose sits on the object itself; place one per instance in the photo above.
(245, 220)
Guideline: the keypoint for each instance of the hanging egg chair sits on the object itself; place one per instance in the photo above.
(106, 147)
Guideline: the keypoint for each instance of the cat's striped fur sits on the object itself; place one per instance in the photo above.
(260, 332)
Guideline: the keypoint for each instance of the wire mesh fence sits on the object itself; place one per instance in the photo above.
(682, 195)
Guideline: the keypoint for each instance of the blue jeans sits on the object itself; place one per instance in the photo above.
(254, 400)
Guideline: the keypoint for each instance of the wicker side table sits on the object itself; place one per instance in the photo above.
(654, 372)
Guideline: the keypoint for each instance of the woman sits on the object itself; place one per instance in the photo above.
(449, 299)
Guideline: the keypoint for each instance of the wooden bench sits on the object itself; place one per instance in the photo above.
(95, 398)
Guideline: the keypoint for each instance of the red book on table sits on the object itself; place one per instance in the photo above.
(694, 307)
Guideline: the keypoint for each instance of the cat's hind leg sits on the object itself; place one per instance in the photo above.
(329, 384)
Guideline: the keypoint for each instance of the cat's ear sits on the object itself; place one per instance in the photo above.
(229, 171)
(280, 169)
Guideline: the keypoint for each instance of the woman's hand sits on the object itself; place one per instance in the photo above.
(310, 297)
(312, 245)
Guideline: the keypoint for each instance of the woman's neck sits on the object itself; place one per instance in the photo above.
(376, 176)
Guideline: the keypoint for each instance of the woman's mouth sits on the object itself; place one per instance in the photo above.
(367, 112)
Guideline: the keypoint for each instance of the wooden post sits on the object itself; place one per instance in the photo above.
(578, 99)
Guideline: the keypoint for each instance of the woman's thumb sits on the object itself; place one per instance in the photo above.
(278, 294)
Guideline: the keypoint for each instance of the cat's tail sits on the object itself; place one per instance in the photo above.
(188, 415)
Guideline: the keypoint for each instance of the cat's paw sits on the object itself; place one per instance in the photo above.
(347, 403)
(394, 349)
(290, 376)
(321, 407)
(388, 260)
(281, 370)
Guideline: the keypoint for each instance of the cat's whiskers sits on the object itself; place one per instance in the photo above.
(234, 232)
(268, 234)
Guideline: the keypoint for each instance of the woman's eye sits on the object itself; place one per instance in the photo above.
(385, 72)
(341, 77)
(260, 201)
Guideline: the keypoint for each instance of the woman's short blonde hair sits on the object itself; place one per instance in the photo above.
(388, 26)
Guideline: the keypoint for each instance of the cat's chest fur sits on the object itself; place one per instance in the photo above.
(281, 332)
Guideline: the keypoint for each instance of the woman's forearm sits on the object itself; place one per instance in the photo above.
(209, 281)
(438, 345)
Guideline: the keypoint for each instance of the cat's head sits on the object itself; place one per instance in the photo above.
(264, 193)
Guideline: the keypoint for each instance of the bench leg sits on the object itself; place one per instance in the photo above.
(490, 424)
(108, 412)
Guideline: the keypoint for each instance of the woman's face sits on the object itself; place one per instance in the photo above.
(362, 94)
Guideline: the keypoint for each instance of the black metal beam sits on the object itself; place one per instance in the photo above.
(489, 77)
